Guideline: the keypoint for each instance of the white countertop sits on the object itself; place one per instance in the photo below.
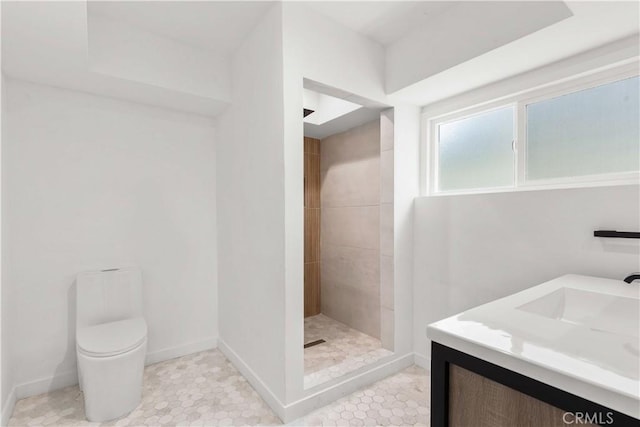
(592, 362)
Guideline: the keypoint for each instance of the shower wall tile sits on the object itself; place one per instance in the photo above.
(386, 282)
(351, 184)
(386, 229)
(387, 326)
(311, 237)
(311, 145)
(312, 300)
(351, 306)
(334, 304)
(362, 142)
(356, 226)
(386, 176)
(387, 296)
(386, 130)
(350, 224)
(311, 226)
(311, 181)
(356, 266)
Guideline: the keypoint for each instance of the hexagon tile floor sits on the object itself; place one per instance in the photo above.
(343, 351)
(204, 389)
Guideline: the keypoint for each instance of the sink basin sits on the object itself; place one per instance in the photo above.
(597, 311)
(576, 333)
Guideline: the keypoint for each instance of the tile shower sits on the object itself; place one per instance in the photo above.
(350, 223)
(348, 249)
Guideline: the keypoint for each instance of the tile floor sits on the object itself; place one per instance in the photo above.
(204, 389)
(344, 351)
(399, 400)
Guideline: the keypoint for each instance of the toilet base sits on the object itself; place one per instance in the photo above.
(112, 386)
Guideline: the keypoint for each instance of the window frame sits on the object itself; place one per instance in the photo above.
(519, 101)
(465, 115)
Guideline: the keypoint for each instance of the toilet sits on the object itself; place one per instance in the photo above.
(111, 341)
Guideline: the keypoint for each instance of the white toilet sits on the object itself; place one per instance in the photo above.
(111, 341)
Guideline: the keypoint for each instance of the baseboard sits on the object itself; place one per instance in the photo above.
(7, 407)
(69, 378)
(47, 384)
(422, 361)
(263, 390)
(296, 410)
(181, 350)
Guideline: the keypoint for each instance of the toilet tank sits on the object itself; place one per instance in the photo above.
(108, 295)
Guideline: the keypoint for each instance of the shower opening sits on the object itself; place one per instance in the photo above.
(348, 233)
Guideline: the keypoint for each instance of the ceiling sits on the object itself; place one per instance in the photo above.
(55, 43)
(342, 123)
(337, 110)
(325, 107)
(382, 21)
(218, 26)
(592, 25)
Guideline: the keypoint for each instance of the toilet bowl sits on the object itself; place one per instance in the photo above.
(111, 342)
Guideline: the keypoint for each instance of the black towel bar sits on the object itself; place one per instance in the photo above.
(617, 234)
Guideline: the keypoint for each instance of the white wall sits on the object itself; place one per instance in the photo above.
(322, 50)
(331, 54)
(614, 54)
(6, 379)
(250, 173)
(472, 249)
(488, 24)
(49, 42)
(348, 64)
(91, 183)
(260, 209)
(125, 51)
(406, 160)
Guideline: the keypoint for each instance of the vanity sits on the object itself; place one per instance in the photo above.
(565, 352)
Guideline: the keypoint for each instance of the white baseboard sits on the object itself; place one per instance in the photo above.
(302, 407)
(68, 378)
(181, 350)
(295, 410)
(422, 361)
(44, 385)
(263, 390)
(7, 407)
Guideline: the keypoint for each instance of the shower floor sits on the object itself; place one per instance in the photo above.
(344, 351)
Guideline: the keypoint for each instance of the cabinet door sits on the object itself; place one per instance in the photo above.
(480, 402)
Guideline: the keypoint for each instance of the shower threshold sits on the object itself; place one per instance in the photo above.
(344, 350)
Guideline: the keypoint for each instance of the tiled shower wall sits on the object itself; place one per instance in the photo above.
(350, 224)
(386, 230)
(311, 226)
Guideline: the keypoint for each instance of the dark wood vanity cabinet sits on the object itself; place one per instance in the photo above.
(470, 392)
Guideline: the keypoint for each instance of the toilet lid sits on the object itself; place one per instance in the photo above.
(108, 339)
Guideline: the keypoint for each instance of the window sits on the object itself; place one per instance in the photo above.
(590, 132)
(586, 133)
(476, 151)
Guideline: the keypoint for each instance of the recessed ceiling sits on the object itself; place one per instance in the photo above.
(341, 124)
(382, 21)
(48, 42)
(325, 107)
(337, 110)
(592, 25)
(218, 26)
